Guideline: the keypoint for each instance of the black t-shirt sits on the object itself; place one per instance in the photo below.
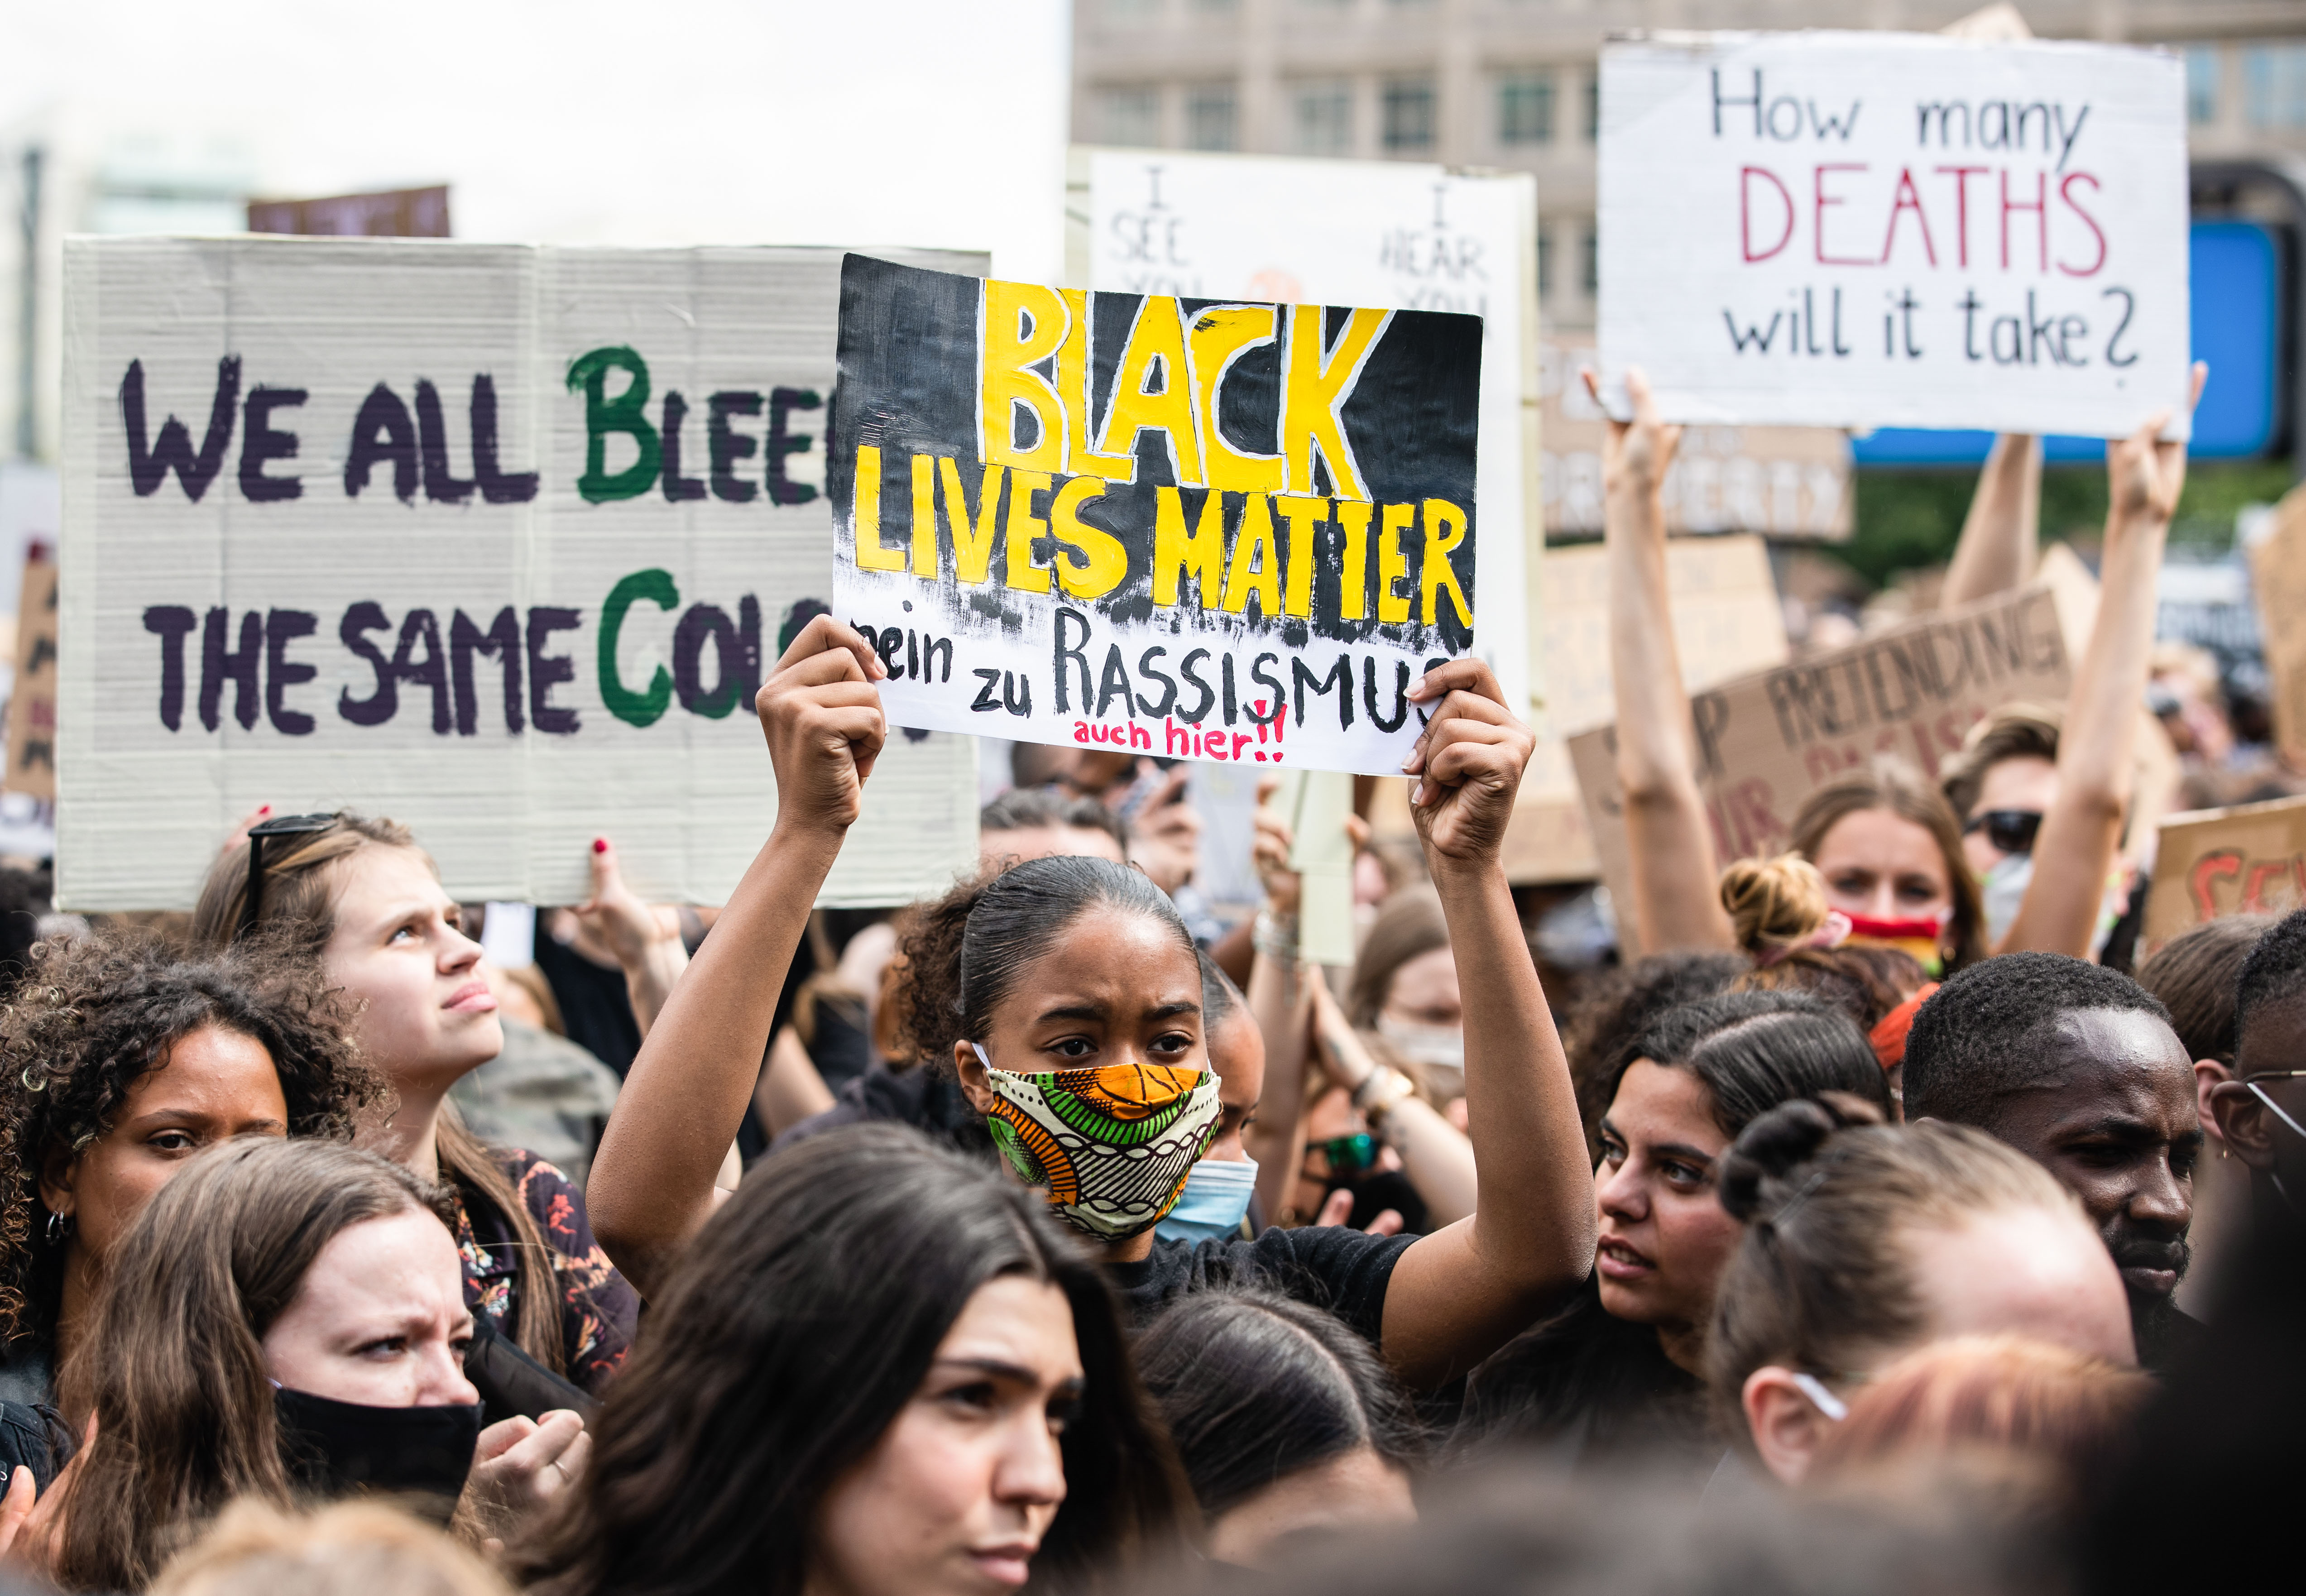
(1328, 1266)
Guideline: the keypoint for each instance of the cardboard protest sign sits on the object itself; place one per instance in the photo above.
(1766, 741)
(2247, 859)
(496, 541)
(1790, 483)
(1874, 229)
(1399, 235)
(1200, 529)
(32, 700)
(1727, 621)
(2277, 575)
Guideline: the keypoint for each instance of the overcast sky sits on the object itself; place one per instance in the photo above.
(915, 122)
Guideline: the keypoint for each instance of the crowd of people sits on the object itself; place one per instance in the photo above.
(1056, 1233)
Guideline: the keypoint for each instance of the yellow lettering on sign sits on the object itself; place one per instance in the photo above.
(1023, 326)
(1073, 363)
(1393, 605)
(1303, 516)
(1445, 529)
(1176, 556)
(1153, 390)
(1315, 384)
(1353, 576)
(925, 549)
(1024, 527)
(1219, 337)
(1256, 564)
(972, 546)
(1102, 561)
(871, 556)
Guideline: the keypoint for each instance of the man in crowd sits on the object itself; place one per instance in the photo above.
(2079, 1068)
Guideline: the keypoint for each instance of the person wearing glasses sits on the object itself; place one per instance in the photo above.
(2261, 1112)
(1619, 1375)
(363, 896)
(121, 1059)
(1887, 842)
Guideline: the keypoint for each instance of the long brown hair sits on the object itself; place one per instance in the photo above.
(300, 897)
(1892, 785)
(174, 1361)
(792, 1335)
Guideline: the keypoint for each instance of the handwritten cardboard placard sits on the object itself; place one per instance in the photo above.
(32, 700)
(2247, 859)
(1766, 741)
(1402, 234)
(2277, 577)
(1198, 529)
(494, 539)
(1872, 229)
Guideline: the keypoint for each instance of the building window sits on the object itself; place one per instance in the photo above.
(1594, 106)
(2274, 85)
(1131, 8)
(1409, 115)
(1589, 265)
(1130, 116)
(1211, 118)
(1544, 262)
(1325, 118)
(2201, 84)
(1526, 109)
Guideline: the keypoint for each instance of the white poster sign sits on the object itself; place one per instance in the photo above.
(496, 541)
(1870, 230)
(1390, 234)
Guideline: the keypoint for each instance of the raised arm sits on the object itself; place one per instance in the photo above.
(1667, 833)
(647, 944)
(652, 1185)
(1435, 1155)
(1998, 537)
(1460, 1293)
(1276, 992)
(2073, 855)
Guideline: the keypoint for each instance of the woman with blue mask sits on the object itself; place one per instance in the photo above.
(1067, 997)
(1215, 1201)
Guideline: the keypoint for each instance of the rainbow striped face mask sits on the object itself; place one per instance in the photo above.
(1114, 1145)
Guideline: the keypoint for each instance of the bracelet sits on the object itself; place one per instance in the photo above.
(1380, 1090)
(1275, 935)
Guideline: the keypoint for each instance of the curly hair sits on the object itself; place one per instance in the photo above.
(93, 1017)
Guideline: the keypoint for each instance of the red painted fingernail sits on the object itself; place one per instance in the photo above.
(264, 809)
(599, 845)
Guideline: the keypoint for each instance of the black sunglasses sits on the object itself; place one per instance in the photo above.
(2010, 830)
(251, 900)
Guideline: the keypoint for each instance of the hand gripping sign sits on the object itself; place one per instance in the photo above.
(1191, 528)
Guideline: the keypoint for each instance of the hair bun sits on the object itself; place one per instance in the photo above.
(1765, 1166)
(1773, 903)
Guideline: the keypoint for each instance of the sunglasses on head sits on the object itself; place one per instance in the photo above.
(251, 900)
(2010, 830)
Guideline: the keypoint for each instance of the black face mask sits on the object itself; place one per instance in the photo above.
(344, 1448)
(1377, 1190)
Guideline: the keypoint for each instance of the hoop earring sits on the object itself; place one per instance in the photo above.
(59, 1228)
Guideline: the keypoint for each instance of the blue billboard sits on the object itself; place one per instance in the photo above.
(2237, 327)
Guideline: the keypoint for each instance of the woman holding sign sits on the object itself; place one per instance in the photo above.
(367, 899)
(1886, 843)
(1080, 1000)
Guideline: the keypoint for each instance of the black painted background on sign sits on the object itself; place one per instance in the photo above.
(909, 384)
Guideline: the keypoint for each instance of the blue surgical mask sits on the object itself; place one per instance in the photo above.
(1215, 1200)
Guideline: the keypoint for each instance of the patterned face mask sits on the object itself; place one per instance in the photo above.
(1114, 1145)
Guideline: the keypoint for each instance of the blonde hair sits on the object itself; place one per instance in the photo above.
(1773, 904)
(2063, 1410)
(354, 1548)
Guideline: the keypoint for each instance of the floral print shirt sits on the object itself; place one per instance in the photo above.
(598, 1310)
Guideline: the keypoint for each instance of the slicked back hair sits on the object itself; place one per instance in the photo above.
(1979, 1037)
